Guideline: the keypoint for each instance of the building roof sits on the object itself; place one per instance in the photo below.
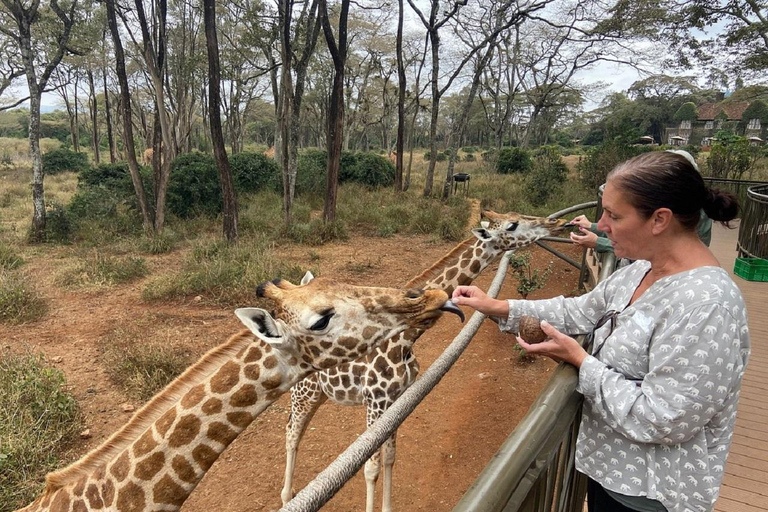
(733, 109)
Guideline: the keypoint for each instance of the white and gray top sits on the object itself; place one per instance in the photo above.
(661, 390)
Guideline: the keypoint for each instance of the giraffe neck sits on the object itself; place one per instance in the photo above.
(161, 466)
(459, 267)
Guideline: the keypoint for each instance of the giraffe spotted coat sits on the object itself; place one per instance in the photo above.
(661, 395)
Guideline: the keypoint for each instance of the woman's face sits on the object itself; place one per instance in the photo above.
(629, 233)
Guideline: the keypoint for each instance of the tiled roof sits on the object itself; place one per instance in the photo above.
(734, 110)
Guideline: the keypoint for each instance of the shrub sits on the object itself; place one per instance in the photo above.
(142, 370)
(548, 174)
(489, 156)
(441, 157)
(730, 157)
(528, 280)
(470, 149)
(194, 186)
(601, 159)
(686, 112)
(62, 160)
(113, 177)
(513, 160)
(469, 157)
(310, 177)
(57, 226)
(19, 301)
(38, 417)
(102, 270)
(368, 169)
(254, 171)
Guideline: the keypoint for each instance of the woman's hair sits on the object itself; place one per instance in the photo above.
(663, 179)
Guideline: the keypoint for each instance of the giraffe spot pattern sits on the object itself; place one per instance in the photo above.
(272, 381)
(274, 395)
(148, 468)
(79, 506)
(193, 397)
(254, 354)
(169, 492)
(475, 267)
(221, 433)
(184, 470)
(252, 371)
(348, 342)
(185, 431)
(60, 502)
(327, 362)
(244, 397)
(240, 419)
(130, 498)
(92, 495)
(451, 273)
(120, 467)
(212, 406)
(204, 456)
(145, 444)
(225, 378)
(108, 492)
(165, 422)
(369, 332)
(270, 362)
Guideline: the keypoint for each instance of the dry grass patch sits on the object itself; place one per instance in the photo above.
(20, 302)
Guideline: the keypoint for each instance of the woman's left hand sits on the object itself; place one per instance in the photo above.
(558, 346)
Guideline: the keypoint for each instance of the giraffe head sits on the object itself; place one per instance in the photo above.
(323, 323)
(512, 230)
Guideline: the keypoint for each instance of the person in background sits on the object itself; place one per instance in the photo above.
(589, 236)
(667, 344)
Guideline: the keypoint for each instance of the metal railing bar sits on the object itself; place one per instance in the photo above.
(333, 477)
(560, 255)
(571, 209)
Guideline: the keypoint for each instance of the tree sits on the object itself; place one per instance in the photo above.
(686, 112)
(214, 104)
(42, 38)
(336, 110)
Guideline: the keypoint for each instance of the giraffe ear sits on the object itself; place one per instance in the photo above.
(307, 278)
(482, 234)
(261, 323)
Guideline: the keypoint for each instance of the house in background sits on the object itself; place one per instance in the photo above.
(712, 117)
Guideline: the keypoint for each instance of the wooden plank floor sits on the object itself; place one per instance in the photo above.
(745, 487)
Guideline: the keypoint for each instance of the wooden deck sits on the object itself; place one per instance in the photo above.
(745, 487)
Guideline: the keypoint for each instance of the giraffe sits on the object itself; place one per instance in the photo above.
(377, 379)
(156, 460)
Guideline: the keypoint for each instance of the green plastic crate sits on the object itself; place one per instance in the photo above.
(751, 269)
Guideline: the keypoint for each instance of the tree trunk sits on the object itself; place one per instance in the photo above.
(399, 145)
(110, 136)
(125, 103)
(214, 93)
(335, 135)
(94, 118)
(434, 38)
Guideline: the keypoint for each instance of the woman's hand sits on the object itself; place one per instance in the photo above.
(558, 346)
(584, 238)
(476, 298)
(582, 221)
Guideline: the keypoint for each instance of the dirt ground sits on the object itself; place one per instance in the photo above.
(441, 448)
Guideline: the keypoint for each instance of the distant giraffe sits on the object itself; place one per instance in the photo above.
(156, 460)
(379, 378)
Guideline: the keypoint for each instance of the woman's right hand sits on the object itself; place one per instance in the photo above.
(582, 221)
(476, 298)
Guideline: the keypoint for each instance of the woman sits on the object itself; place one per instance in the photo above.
(671, 343)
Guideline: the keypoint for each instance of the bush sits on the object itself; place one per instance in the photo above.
(686, 112)
(194, 186)
(19, 301)
(470, 149)
(310, 177)
(57, 226)
(113, 177)
(601, 159)
(38, 417)
(102, 270)
(62, 160)
(513, 160)
(730, 157)
(254, 171)
(367, 169)
(469, 157)
(489, 156)
(548, 174)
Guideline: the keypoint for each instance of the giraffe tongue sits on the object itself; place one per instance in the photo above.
(453, 308)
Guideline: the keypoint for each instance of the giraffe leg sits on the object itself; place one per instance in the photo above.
(306, 398)
(387, 452)
(372, 467)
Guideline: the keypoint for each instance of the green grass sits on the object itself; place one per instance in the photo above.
(38, 418)
(19, 300)
(141, 370)
(100, 270)
(9, 260)
(223, 274)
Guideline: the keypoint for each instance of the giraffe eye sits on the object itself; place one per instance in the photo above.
(322, 323)
(512, 226)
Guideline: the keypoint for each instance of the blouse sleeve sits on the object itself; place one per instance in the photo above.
(572, 315)
(695, 364)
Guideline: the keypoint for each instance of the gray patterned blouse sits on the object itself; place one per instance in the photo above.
(661, 390)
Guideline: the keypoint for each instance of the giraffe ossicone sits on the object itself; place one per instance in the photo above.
(377, 379)
(156, 459)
